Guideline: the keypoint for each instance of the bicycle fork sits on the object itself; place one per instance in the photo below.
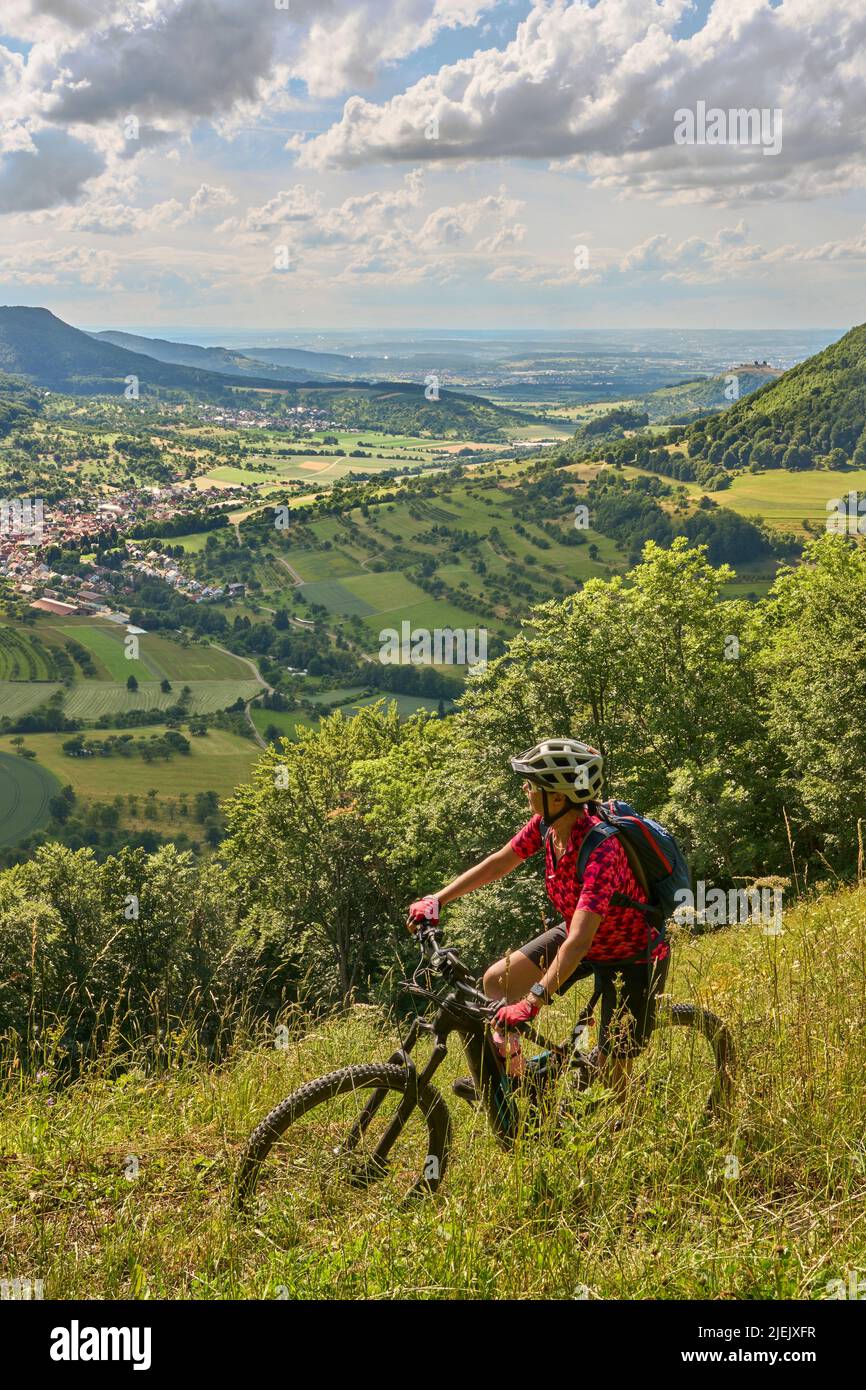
(414, 1093)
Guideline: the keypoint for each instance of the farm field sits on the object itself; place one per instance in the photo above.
(406, 704)
(384, 451)
(287, 720)
(492, 557)
(25, 790)
(196, 662)
(284, 720)
(313, 565)
(218, 761)
(215, 677)
(783, 498)
(89, 700)
(338, 696)
(159, 657)
(300, 469)
(192, 543)
(105, 642)
(20, 697)
(23, 656)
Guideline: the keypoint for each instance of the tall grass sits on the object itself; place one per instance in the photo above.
(118, 1185)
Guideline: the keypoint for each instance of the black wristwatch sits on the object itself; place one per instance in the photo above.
(540, 992)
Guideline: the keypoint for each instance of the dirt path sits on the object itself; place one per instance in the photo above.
(256, 735)
(296, 578)
(260, 678)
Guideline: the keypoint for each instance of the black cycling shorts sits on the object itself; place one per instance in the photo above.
(628, 992)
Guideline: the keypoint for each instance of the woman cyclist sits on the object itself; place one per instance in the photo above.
(613, 941)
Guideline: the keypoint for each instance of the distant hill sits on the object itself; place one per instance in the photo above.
(212, 359)
(316, 365)
(400, 407)
(402, 365)
(815, 413)
(706, 395)
(39, 346)
(45, 351)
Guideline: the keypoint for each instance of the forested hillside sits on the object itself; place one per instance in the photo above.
(209, 359)
(45, 351)
(19, 403)
(815, 414)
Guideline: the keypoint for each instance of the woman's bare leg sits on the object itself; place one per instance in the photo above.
(509, 979)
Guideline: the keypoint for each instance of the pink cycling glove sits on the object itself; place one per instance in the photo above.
(512, 1014)
(424, 910)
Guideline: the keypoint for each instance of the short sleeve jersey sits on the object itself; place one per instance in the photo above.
(623, 930)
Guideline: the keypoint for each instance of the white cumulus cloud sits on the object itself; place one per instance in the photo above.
(596, 88)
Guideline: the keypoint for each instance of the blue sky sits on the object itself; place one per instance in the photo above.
(459, 163)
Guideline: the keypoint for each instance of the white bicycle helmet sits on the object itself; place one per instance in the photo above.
(563, 765)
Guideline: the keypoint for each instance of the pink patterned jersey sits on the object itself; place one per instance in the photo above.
(623, 930)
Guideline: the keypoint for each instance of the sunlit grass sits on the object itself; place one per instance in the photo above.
(119, 1186)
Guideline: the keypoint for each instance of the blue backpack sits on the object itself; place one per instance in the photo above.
(654, 857)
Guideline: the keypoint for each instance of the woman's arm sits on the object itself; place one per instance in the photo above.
(584, 926)
(488, 871)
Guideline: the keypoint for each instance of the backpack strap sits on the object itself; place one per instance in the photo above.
(597, 836)
(545, 831)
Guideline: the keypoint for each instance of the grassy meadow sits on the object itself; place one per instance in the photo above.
(29, 674)
(25, 790)
(217, 761)
(118, 1186)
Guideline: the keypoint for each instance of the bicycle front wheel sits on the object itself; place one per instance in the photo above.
(334, 1138)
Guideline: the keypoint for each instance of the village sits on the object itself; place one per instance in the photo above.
(304, 419)
(30, 530)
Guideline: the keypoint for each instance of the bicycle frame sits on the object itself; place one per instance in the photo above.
(466, 1011)
(486, 1064)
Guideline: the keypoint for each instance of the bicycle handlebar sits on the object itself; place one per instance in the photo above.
(446, 961)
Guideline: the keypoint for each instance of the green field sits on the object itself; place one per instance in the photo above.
(284, 720)
(20, 697)
(313, 565)
(217, 761)
(24, 656)
(783, 498)
(191, 543)
(287, 720)
(89, 700)
(197, 662)
(490, 586)
(25, 790)
(215, 677)
(159, 657)
(334, 697)
(105, 641)
(406, 704)
(385, 451)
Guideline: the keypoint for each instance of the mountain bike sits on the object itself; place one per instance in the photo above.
(386, 1121)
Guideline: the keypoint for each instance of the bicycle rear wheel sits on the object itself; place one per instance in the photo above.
(335, 1137)
(688, 1067)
